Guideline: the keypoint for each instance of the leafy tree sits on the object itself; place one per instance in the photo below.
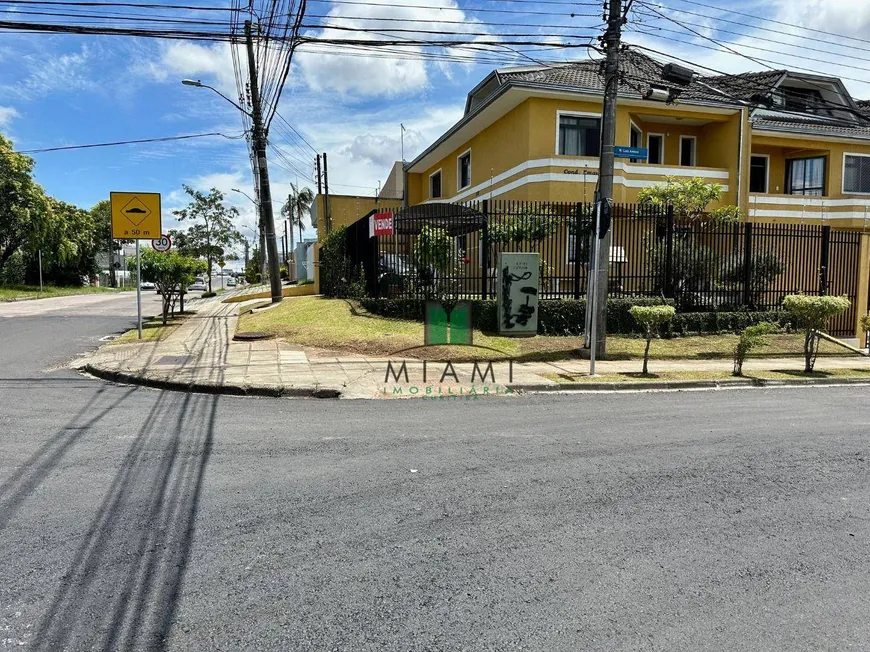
(24, 208)
(252, 271)
(211, 234)
(764, 268)
(812, 315)
(298, 203)
(101, 214)
(68, 244)
(171, 272)
(690, 198)
(751, 337)
(651, 318)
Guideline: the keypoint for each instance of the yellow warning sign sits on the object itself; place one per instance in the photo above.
(135, 215)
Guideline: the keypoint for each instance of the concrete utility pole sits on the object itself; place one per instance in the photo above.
(597, 290)
(326, 210)
(267, 216)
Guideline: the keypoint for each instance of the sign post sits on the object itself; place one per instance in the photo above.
(136, 216)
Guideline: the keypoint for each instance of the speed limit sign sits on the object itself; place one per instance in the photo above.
(161, 244)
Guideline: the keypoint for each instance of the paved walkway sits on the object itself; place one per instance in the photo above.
(202, 354)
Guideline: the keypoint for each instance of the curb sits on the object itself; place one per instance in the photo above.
(687, 384)
(209, 388)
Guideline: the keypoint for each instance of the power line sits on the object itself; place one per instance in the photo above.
(463, 9)
(769, 20)
(129, 142)
(710, 84)
(763, 62)
(115, 4)
(735, 22)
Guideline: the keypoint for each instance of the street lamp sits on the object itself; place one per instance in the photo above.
(258, 143)
(198, 84)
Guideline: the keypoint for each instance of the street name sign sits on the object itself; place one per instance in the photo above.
(630, 152)
(135, 215)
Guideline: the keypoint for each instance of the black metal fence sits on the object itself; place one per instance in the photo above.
(447, 247)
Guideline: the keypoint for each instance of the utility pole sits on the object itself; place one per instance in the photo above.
(326, 190)
(113, 281)
(597, 291)
(259, 137)
(247, 253)
(319, 186)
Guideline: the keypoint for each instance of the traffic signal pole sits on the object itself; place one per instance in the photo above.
(597, 291)
(267, 216)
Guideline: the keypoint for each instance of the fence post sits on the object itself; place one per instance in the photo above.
(747, 263)
(484, 254)
(826, 259)
(669, 252)
(578, 212)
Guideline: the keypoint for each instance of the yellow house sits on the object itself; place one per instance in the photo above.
(782, 145)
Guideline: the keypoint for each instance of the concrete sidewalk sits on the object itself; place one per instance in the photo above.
(201, 355)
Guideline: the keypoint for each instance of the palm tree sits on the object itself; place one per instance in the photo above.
(298, 203)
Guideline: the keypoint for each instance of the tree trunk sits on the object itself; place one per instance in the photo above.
(808, 351)
(646, 351)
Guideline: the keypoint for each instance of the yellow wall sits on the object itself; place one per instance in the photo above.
(529, 133)
(782, 148)
(345, 209)
(500, 146)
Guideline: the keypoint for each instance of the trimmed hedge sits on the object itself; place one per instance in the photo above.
(566, 316)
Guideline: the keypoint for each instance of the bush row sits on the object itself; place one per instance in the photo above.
(566, 316)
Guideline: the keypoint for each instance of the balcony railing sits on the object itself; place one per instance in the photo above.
(808, 207)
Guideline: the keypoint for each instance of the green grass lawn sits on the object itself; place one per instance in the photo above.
(344, 326)
(23, 292)
(773, 374)
(153, 330)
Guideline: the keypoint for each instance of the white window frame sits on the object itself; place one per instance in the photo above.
(572, 114)
(694, 162)
(639, 140)
(438, 171)
(459, 185)
(662, 136)
(766, 169)
(843, 174)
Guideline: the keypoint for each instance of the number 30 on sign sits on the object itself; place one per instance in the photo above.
(161, 244)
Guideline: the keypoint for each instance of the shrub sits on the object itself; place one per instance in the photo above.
(750, 338)
(651, 318)
(764, 269)
(336, 270)
(812, 315)
(555, 316)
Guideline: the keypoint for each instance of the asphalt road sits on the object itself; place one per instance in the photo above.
(132, 519)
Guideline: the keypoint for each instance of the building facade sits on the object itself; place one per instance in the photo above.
(782, 145)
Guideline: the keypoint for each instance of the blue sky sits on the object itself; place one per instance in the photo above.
(63, 90)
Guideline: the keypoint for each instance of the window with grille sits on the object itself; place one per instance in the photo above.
(805, 176)
(856, 174)
(579, 136)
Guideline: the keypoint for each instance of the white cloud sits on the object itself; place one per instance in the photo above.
(7, 114)
(178, 60)
(49, 72)
(369, 72)
(380, 149)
